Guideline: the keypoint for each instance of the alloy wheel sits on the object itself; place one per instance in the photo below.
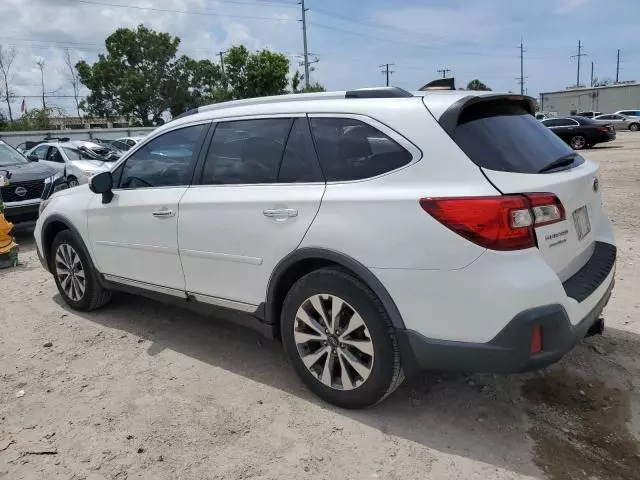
(70, 272)
(333, 342)
(578, 142)
(73, 183)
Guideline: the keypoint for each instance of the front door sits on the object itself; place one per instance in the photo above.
(261, 187)
(134, 237)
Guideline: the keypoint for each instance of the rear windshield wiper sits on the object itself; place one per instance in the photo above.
(560, 162)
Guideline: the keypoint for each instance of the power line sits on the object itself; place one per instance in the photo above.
(386, 71)
(167, 10)
(444, 72)
(578, 56)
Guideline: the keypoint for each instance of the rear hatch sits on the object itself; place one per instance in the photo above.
(519, 155)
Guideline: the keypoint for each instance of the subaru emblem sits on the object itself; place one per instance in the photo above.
(596, 184)
(20, 191)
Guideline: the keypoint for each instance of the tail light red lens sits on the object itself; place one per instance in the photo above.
(536, 340)
(503, 222)
(603, 129)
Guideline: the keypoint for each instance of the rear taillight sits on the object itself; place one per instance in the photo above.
(603, 129)
(503, 222)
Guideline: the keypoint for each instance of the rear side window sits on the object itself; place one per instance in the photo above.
(503, 136)
(352, 150)
(246, 151)
(300, 163)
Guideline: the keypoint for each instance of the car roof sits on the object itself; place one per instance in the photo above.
(437, 101)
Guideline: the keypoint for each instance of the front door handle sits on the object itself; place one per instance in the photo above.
(280, 213)
(165, 213)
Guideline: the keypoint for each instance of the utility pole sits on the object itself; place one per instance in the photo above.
(444, 72)
(521, 77)
(618, 67)
(304, 40)
(224, 79)
(40, 64)
(386, 71)
(592, 74)
(580, 54)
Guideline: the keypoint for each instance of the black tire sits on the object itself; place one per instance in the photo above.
(94, 296)
(578, 142)
(634, 127)
(72, 182)
(386, 371)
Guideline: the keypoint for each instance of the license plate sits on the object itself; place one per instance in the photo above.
(581, 221)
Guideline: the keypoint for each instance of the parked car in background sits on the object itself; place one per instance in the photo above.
(588, 114)
(279, 208)
(76, 159)
(581, 132)
(629, 113)
(131, 141)
(620, 122)
(30, 183)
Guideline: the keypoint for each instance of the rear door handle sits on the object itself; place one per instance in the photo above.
(280, 213)
(163, 213)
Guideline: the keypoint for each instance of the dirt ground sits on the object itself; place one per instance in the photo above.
(141, 390)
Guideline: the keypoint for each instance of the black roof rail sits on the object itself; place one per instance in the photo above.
(193, 111)
(59, 139)
(378, 92)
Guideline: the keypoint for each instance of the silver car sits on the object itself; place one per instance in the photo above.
(620, 122)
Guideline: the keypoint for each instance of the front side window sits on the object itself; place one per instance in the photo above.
(54, 155)
(353, 150)
(246, 151)
(41, 152)
(166, 161)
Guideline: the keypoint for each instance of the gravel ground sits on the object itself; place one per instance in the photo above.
(142, 390)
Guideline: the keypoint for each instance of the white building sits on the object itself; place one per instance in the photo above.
(622, 96)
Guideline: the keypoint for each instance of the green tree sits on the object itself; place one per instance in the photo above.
(131, 79)
(296, 80)
(191, 83)
(253, 74)
(477, 85)
(35, 119)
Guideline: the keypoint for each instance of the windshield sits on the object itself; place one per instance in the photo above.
(9, 156)
(503, 136)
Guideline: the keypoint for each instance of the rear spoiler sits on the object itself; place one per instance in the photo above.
(449, 119)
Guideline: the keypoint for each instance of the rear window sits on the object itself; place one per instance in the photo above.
(503, 136)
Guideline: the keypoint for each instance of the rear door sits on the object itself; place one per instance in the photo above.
(517, 155)
(260, 189)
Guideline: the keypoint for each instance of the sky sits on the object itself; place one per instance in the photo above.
(350, 39)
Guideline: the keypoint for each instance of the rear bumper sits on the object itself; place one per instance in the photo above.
(507, 352)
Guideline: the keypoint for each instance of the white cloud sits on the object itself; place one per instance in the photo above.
(565, 7)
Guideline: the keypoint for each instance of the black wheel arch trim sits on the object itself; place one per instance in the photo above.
(69, 226)
(269, 310)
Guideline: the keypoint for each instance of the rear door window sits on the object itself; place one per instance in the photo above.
(246, 151)
(353, 150)
(300, 163)
(503, 136)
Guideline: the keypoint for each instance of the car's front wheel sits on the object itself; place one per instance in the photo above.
(73, 182)
(578, 142)
(74, 274)
(340, 340)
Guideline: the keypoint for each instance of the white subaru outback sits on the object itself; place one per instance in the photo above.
(376, 232)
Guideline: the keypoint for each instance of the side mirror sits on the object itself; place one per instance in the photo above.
(102, 183)
(33, 158)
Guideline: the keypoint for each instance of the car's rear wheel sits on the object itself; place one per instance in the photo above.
(73, 182)
(578, 142)
(74, 274)
(634, 127)
(340, 340)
